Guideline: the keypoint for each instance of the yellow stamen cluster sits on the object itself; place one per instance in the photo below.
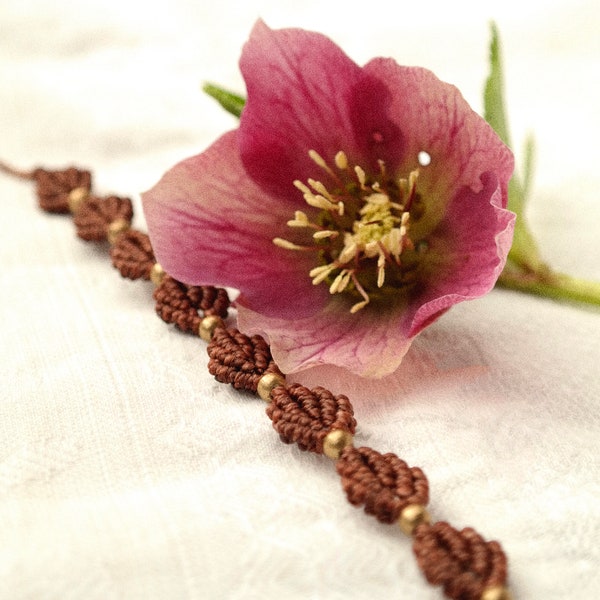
(358, 220)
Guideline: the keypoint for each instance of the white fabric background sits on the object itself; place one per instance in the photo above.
(126, 471)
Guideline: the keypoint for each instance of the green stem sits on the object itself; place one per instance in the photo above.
(552, 285)
(525, 269)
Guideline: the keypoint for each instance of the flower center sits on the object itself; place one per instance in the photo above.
(360, 232)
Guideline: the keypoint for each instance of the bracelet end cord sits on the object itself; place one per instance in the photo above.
(466, 566)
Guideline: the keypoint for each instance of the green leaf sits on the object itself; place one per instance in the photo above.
(525, 270)
(231, 102)
(493, 95)
(529, 159)
(524, 251)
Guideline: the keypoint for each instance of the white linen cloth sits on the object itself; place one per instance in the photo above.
(127, 472)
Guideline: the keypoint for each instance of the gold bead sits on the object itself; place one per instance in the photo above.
(412, 516)
(498, 592)
(76, 198)
(208, 326)
(335, 441)
(115, 229)
(157, 274)
(267, 383)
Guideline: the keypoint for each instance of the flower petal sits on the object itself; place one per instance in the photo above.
(299, 86)
(363, 343)
(466, 253)
(433, 117)
(209, 223)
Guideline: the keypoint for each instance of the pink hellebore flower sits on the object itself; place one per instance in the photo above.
(351, 208)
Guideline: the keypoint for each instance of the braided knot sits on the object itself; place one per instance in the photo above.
(306, 416)
(53, 187)
(384, 483)
(461, 561)
(132, 255)
(238, 359)
(95, 215)
(179, 303)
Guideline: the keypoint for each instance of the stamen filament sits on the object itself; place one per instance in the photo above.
(362, 218)
(320, 274)
(341, 160)
(362, 176)
(300, 220)
(287, 245)
(319, 202)
(359, 305)
(302, 187)
(348, 253)
(381, 270)
(412, 188)
(321, 189)
(317, 158)
(324, 234)
(340, 282)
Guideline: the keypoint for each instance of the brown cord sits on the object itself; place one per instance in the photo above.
(384, 483)
(132, 255)
(95, 215)
(306, 416)
(53, 187)
(178, 303)
(461, 561)
(14, 172)
(210, 300)
(238, 359)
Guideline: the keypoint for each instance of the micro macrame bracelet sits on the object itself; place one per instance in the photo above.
(467, 566)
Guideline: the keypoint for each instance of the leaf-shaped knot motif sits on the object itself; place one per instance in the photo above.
(53, 187)
(132, 255)
(95, 215)
(384, 483)
(239, 359)
(305, 416)
(461, 561)
(180, 304)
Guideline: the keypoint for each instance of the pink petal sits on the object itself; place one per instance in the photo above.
(434, 117)
(209, 223)
(466, 253)
(366, 344)
(469, 248)
(300, 85)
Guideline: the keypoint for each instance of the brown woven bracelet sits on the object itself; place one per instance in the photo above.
(462, 562)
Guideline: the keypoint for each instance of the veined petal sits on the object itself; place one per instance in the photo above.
(466, 253)
(433, 117)
(369, 346)
(300, 86)
(209, 223)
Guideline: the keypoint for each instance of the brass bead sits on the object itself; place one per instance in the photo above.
(208, 326)
(76, 198)
(498, 592)
(335, 441)
(412, 516)
(267, 383)
(157, 274)
(115, 229)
